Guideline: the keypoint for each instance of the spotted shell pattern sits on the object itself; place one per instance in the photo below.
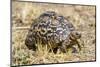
(49, 27)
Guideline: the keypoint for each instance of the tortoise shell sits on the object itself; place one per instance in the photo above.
(51, 28)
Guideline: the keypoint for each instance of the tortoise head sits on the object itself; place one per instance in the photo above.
(75, 35)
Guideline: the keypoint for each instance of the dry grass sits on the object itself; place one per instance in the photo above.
(23, 13)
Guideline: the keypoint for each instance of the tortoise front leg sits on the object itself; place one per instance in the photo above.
(79, 46)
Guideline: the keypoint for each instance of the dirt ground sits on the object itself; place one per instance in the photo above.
(82, 17)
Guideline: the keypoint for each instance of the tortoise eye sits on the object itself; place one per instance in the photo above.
(78, 35)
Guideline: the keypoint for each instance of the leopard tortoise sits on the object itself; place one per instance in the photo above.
(55, 29)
